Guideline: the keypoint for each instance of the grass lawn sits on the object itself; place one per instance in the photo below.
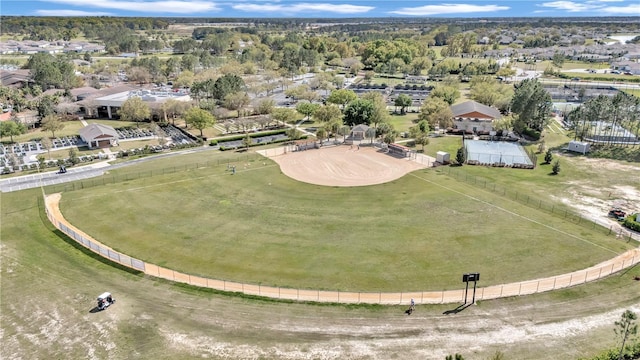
(126, 145)
(70, 128)
(116, 124)
(571, 65)
(634, 92)
(402, 123)
(64, 153)
(39, 264)
(600, 77)
(306, 236)
(567, 65)
(447, 143)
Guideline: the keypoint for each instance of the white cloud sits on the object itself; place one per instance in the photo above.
(163, 6)
(304, 7)
(599, 6)
(632, 10)
(63, 12)
(446, 9)
(570, 6)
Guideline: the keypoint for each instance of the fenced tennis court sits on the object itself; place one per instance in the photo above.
(479, 152)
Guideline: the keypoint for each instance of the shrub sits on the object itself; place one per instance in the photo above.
(533, 134)
(460, 158)
(548, 157)
(631, 222)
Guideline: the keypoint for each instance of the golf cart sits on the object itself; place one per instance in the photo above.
(105, 300)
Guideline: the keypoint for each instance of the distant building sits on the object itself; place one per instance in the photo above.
(108, 101)
(14, 78)
(474, 117)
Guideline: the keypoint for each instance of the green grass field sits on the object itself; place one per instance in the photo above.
(262, 227)
(158, 319)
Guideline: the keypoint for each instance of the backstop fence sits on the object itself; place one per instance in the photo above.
(620, 262)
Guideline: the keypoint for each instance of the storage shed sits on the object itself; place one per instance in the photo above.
(443, 157)
(577, 146)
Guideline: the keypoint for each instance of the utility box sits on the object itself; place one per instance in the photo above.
(577, 146)
(443, 157)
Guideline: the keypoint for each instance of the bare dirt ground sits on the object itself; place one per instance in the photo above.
(593, 200)
(344, 166)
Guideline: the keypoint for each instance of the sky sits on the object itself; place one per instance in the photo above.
(322, 8)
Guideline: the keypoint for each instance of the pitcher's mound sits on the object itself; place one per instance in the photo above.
(344, 166)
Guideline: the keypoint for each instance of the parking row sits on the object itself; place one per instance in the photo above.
(176, 135)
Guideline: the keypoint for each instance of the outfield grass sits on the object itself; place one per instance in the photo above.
(40, 264)
(262, 227)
